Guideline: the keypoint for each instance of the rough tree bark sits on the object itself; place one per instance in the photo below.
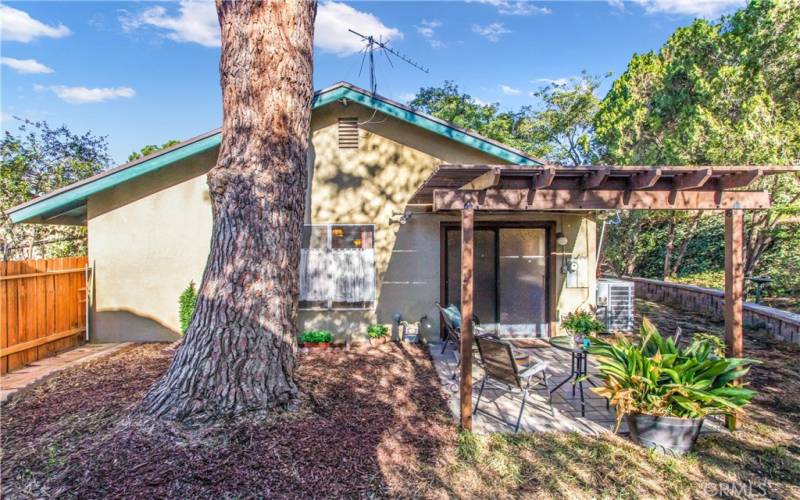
(237, 357)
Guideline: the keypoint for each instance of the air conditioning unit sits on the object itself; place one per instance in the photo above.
(615, 304)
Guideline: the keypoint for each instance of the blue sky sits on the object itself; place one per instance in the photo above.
(145, 72)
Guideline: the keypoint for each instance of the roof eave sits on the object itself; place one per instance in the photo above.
(52, 203)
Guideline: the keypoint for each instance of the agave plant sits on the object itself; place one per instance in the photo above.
(656, 377)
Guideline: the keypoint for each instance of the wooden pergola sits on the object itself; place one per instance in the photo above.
(514, 188)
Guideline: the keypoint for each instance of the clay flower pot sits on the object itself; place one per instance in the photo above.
(317, 346)
(376, 341)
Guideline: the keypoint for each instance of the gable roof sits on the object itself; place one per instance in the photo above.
(70, 200)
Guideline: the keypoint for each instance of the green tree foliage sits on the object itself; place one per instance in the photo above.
(150, 149)
(35, 160)
(562, 128)
(449, 103)
(558, 129)
(717, 93)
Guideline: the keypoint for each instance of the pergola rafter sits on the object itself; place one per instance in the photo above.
(512, 188)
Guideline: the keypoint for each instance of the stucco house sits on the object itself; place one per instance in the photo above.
(374, 250)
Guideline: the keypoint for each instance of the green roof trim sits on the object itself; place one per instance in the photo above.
(421, 120)
(69, 197)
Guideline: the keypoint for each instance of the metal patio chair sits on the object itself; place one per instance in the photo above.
(451, 317)
(500, 366)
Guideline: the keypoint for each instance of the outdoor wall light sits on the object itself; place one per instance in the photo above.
(401, 217)
(561, 239)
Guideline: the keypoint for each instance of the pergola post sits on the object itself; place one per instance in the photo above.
(734, 287)
(467, 236)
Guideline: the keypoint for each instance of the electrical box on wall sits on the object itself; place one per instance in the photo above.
(576, 272)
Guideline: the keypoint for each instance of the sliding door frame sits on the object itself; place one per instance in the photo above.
(550, 270)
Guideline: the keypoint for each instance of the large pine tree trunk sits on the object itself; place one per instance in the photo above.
(237, 356)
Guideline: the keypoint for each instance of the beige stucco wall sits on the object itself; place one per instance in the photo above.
(149, 238)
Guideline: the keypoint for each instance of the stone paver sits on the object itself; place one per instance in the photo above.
(498, 409)
(35, 373)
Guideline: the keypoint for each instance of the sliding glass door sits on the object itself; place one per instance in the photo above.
(510, 278)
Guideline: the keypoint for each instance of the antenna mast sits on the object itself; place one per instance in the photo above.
(369, 50)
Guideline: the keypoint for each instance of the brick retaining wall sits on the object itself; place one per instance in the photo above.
(782, 325)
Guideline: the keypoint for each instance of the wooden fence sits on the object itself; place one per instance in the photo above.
(42, 309)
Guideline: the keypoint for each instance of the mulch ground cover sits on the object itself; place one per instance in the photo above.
(373, 423)
(370, 422)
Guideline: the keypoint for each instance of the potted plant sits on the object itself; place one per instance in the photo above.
(581, 324)
(665, 391)
(378, 334)
(316, 340)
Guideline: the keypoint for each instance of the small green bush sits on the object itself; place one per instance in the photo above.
(377, 331)
(316, 337)
(705, 279)
(581, 323)
(186, 305)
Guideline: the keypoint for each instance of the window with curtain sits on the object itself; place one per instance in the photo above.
(337, 267)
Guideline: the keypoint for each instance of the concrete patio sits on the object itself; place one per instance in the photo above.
(499, 409)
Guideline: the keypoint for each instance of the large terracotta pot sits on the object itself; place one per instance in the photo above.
(667, 434)
(317, 346)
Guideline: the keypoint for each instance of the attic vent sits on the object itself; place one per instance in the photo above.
(348, 133)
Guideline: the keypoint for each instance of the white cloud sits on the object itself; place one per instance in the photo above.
(698, 8)
(509, 90)
(405, 97)
(25, 66)
(559, 82)
(491, 32)
(617, 4)
(18, 26)
(333, 21)
(196, 22)
(83, 95)
(428, 30)
(516, 8)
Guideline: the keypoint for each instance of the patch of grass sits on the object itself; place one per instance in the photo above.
(467, 447)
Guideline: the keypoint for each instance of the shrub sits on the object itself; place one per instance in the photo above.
(705, 279)
(186, 305)
(377, 331)
(656, 377)
(316, 337)
(582, 323)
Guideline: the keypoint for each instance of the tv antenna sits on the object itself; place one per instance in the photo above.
(380, 45)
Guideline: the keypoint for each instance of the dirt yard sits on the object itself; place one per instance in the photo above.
(374, 424)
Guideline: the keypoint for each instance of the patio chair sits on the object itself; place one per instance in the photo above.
(500, 366)
(451, 317)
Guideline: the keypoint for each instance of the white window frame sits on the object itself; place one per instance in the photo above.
(329, 234)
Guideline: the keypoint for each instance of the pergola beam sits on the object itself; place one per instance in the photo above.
(739, 179)
(483, 181)
(467, 266)
(594, 179)
(575, 199)
(545, 178)
(691, 179)
(734, 288)
(644, 180)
